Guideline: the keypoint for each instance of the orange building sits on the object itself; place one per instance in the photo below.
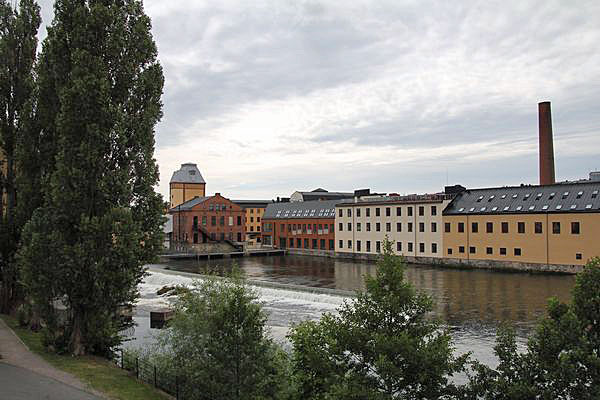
(253, 213)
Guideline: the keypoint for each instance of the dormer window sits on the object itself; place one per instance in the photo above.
(519, 208)
(491, 198)
(545, 207)
(515, 196)
(594, 194)
(192, 172)
(494, 208)
(551, 196)
(579, 194)
(558, 207)
(471, 209)
(565, 195)
(573, 206)
(538, 196)
(506, 208)
(461, 209)
(588, 206)
(479, 199)
(503, 196)
(531, 208)
(482, 209)
(526, 196)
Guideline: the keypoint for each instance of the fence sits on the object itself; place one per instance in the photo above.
(147, 372)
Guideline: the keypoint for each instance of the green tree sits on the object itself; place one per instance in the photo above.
(218, 341)
(382, 345)
(562, 359)
(99, 100)
(18, 43)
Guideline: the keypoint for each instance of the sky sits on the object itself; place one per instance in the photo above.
(270, 97)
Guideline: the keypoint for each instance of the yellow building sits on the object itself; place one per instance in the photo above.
(186, 183)
(551, 224)
(253, 212)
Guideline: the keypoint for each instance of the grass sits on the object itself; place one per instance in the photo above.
(100, 374)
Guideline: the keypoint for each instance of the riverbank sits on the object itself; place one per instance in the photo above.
(99, 376)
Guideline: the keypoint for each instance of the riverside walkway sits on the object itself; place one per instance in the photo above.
(26, 376)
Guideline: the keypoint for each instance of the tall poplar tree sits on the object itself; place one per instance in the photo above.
(18, 44)
(100, 89)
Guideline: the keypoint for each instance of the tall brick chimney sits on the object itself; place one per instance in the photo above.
(546, 146)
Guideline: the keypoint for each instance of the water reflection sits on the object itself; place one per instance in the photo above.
(467, 299)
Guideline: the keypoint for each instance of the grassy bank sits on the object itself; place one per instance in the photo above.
(100, 374)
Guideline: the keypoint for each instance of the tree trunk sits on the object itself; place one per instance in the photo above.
(75, 343)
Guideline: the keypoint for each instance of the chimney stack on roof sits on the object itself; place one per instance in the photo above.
(546, 144)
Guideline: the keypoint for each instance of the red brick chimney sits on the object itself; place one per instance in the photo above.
(546, 145)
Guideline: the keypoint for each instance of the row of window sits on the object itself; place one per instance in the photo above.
(253, 228)
(538, 196)
(213, 236)
(517, 251)
(388, 227)
(297, 229)
(388, 211)
(218, 207)
(252, 219)
(318, 244)
(213, 220)
(410, 246)
(504, 227)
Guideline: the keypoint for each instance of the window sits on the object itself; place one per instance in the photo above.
(556, 228)
(433, 210)
(341, 214)
(340, 227)
(368, 227)
(421, 247)
(517, 251)
(377, 212)
(502, 251)
(204, 220)
(398, 246)
(298, 243)
(410, 211)
(358, 212)
(538, 227)
(331, 244)
(479, 199)
(421, 211)
(388, 211)
(474, 227)
(306, 243)
(349, 244)
(398, 226)
(505, 227)
(578, 256)
(489, 250)
(358, 245)
(349, 212)
(368, 246)
(358, 227)
(410, 247)
(378, 227)
(322, 244)
(410, 227)
(368, 212)
(575, 228)
(195, 221)
(378, 246)
(461, 249)
(222, 220)
(314, 243)
(434, 248)
(449, 251)
(461, 227)
(341, 244)
(349, 226)
(489, 227)
(565, 195)
(239, 220)
(433, 227)
(579, 195)
(521, 227)
(398, 211)
(251, 219)
(291, 242)
(213, 220)
(551, 196)
(421, 226)
(594, 194)
(388, 227)
(447, 227)
(472, 249)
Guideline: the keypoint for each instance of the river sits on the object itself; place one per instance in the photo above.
(471, 302)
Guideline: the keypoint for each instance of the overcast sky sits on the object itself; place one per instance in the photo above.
(269, 97)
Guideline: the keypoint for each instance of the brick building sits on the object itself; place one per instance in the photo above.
(307, 225)
(208, 219)
(253, 212)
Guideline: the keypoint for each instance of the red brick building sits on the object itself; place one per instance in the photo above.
(300, 225)
(208, 219)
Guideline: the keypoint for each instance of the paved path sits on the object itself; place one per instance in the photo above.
(20, 381)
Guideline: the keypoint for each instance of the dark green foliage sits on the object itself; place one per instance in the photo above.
(18, 42)
(99, 100)
(562, 360)
(382, 345)
(218, 341)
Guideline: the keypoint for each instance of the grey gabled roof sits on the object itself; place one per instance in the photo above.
(188, 173)
(303, 209)
(188, 205)
(558, 198)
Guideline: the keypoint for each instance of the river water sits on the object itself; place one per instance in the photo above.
(471, 302)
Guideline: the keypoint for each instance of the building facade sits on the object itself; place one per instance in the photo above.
(413, 223)
(307, 226)
(551, 224)
(185, 184)
(319, 194)
(208, 220)
(253, 214)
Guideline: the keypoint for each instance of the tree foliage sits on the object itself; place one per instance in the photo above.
(381, 345)
(18, 43)
(218, 340)
(99, 99)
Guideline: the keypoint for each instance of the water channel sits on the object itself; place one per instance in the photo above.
(471, 302)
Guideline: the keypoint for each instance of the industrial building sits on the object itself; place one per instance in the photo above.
(319, 194)
(185, 184)
(253, 213)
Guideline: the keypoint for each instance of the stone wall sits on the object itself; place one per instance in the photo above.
(311, 252)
